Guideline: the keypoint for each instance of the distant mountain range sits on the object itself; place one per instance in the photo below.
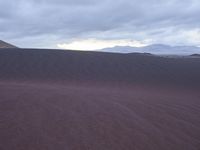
(159, 49)
(155, 49)
(4, 44)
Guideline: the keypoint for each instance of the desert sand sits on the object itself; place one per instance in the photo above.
(66, 100)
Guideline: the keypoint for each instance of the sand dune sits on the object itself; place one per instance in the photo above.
(133, 68)
(51, 99)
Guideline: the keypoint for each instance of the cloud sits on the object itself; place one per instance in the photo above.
(95, 44)
(47, 23)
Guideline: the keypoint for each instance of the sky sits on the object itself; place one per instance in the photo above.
(93, 24)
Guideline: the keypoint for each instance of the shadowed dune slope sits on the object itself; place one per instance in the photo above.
(96, 66)
(66, 100)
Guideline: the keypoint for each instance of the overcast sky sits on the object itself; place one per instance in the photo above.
(95, 24)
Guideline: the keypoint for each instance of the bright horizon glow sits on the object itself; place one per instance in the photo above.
(96, 44)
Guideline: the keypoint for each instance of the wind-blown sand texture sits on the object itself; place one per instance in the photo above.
(65, 100)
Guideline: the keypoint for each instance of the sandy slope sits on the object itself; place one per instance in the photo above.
(72, 117)
(60, 65)
(107, 102)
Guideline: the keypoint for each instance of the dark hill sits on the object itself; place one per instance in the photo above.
(195, 55)
(6, 45)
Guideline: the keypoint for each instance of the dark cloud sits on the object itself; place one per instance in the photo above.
(53, 21)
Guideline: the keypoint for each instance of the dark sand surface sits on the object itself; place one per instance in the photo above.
(96, 101)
